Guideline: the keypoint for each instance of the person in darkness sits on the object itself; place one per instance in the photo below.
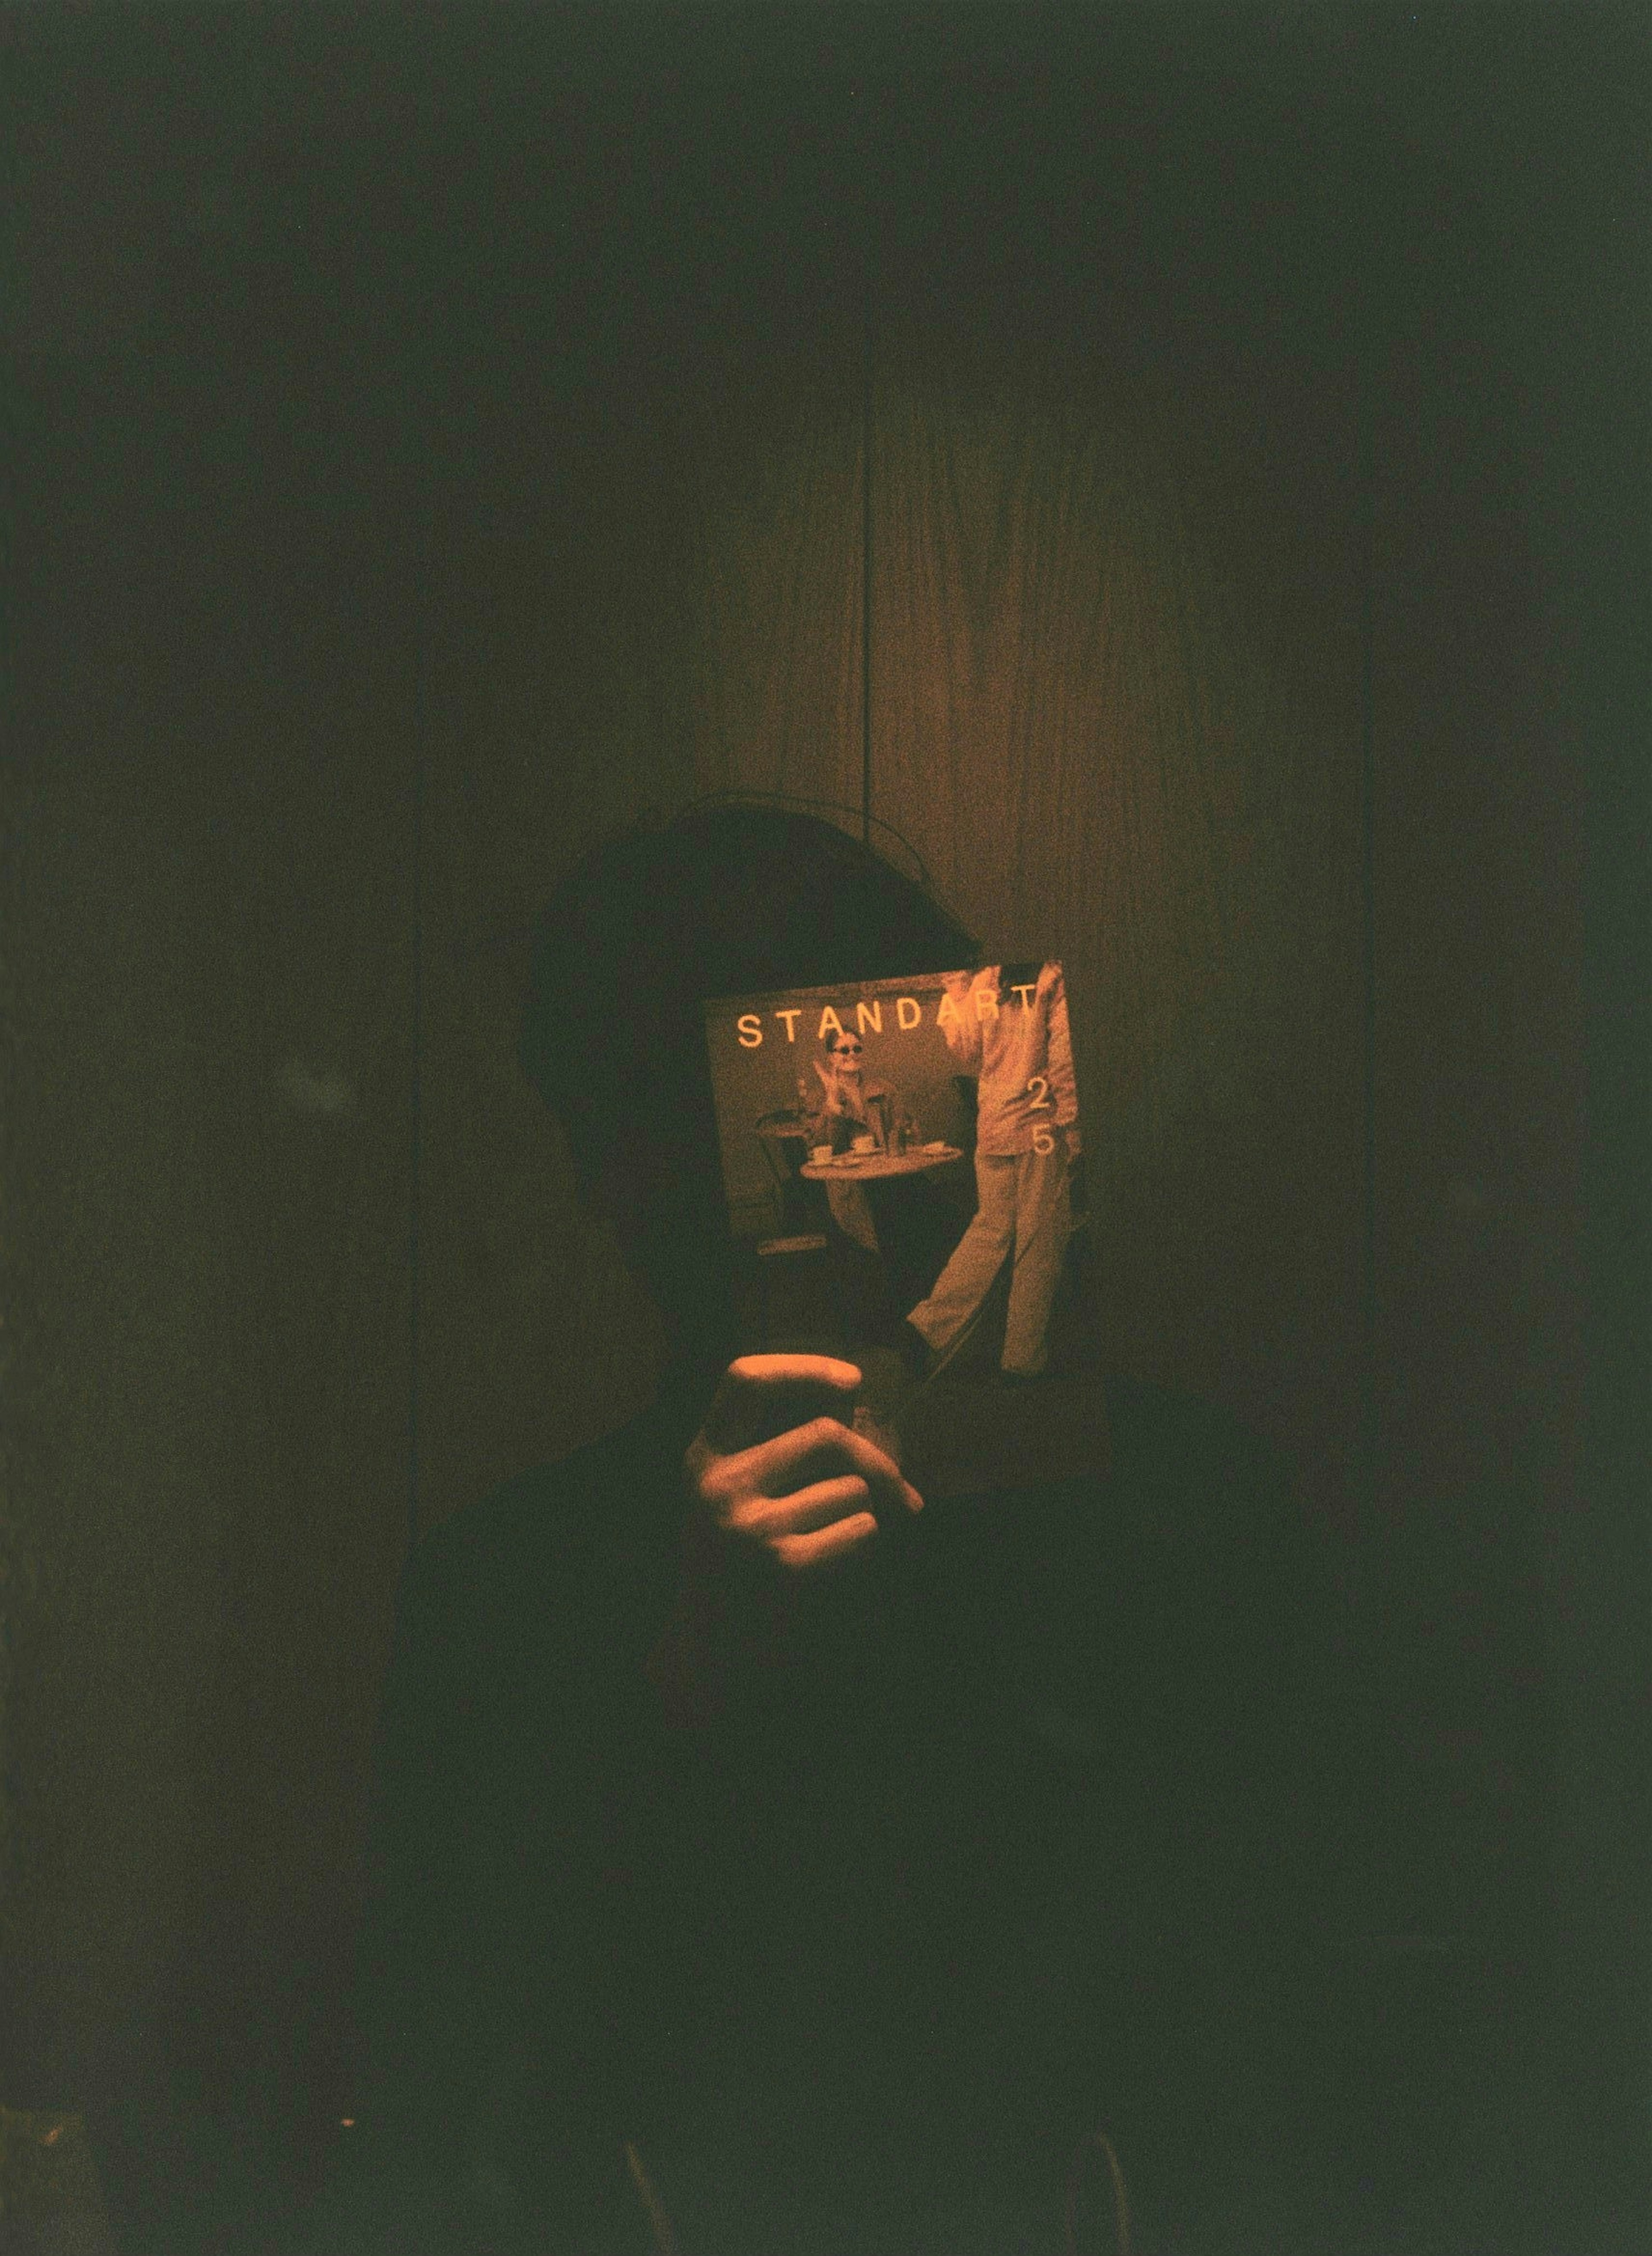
(767, 1859)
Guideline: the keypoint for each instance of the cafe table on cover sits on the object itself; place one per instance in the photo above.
(877, 1167)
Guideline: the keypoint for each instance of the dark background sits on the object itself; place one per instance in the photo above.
(436, 433)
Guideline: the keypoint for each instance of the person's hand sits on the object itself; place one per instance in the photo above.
(783, 1494)
(836, 1101)
(777, 1472)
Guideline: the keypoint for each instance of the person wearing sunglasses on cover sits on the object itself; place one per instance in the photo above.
(851, 1106)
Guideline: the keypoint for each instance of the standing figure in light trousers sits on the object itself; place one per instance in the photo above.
(1016, 1041)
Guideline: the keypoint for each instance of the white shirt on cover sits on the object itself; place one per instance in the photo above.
(1021, 1051)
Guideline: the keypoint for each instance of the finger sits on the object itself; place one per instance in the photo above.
(800, 1554)
(803, 1511)
(761, 1395)
(818, 1451)
(759, 1371)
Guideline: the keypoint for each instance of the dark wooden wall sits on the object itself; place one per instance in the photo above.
(435, 448)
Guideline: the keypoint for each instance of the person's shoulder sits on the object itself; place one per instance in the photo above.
(1160, 1442)
(1165, 1440)
(1216, 1516)
(1190, 1493)
(553, 1500)
(560, 1541)
(522, 1626)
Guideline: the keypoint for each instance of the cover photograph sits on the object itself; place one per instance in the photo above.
(901, 1161)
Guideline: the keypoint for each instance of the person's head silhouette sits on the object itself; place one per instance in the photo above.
(727, 898)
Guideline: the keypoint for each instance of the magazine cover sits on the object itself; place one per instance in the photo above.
(902, 1164)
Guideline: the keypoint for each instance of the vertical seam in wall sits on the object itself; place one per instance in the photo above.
(415, 1093)
(865, 567)
(1368, 1410)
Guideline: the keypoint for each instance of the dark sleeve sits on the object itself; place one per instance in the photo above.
(504, 1802)
(1207, 1628)
(428, 1989)
(1220, 1660)
(423, 1973)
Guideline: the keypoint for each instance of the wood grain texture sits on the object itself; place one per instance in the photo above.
(1116, 679)
(1478, 1366)
(669, 607)
(207, 1203)
(775, 574)
(1115, 708)
(432, 466)
(556, 712)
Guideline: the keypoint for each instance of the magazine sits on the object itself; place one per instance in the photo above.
(902, 1162)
